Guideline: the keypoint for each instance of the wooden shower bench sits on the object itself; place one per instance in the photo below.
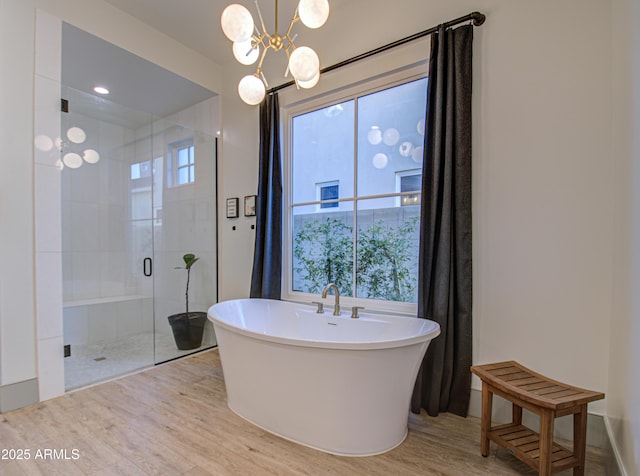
(546, 398)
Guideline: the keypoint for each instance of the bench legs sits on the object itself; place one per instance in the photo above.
(547, 419)
(546, 442)
(516, 414)
(580, 438)
(487, 404)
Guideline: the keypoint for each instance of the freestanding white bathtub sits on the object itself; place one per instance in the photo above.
(333, 383)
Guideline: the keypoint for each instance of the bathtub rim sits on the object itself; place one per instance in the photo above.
(432, 332)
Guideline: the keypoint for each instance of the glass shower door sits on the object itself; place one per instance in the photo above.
(184, 223)
(138, 193)
(107, 240)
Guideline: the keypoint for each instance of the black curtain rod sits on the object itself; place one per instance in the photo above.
(476, 17)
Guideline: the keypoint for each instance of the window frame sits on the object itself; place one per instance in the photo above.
(173, 171)
(381, 82)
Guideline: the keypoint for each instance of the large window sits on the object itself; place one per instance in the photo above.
(364, 238)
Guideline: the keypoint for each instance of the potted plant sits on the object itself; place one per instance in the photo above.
(188, 327)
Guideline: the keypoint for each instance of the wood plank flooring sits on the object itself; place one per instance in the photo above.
(174, 420)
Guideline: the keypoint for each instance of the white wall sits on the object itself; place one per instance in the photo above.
(542, 183)
(543, 191)
(238, 176)
(548, 199)
(623, 415)
(17, 324)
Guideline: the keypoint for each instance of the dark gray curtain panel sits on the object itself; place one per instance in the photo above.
(444, 279)
(267, 255)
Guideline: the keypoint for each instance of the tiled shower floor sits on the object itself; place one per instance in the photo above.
(93, 363)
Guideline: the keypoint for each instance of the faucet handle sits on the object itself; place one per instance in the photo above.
(320, 305)
(354, 311)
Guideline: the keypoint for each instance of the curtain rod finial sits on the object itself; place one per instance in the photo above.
(478, 18)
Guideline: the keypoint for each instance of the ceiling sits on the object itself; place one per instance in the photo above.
(143, 87)
(353, 26)
(196, 23)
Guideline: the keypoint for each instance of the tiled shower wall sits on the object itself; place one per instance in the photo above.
(94, 216)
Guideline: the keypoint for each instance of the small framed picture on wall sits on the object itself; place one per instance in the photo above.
(232, 207)
(250, 205)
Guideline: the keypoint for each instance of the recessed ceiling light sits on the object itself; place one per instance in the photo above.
(101, 90)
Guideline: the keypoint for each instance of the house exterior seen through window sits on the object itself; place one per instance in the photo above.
(366, 151)
(409, 181)
(328, 191)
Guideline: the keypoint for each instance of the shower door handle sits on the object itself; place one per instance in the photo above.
(147, 267)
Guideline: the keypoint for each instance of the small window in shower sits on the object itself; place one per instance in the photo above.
(181, 163)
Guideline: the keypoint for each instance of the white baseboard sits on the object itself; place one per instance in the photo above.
(18, 395)
(613, 448)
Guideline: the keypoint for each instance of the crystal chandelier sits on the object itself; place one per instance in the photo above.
(304, 65)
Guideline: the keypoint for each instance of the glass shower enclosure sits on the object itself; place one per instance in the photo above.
(138, 193)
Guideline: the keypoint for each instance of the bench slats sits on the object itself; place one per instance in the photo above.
(532, 387)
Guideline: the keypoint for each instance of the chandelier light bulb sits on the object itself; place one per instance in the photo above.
(304, 63)
(91, 156)
(374, 136)
(76, 135)
(311, 83)
(416, 154)
(72, 160)
(251, 90)
(245, 53)
(313, 13)
(380, 160)
(237, 23)
(391, 136)
(43, 143)
(252, 42)
(405, 149)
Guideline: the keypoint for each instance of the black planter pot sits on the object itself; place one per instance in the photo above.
(188, 329)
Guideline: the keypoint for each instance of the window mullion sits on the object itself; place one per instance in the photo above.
(355, 198)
